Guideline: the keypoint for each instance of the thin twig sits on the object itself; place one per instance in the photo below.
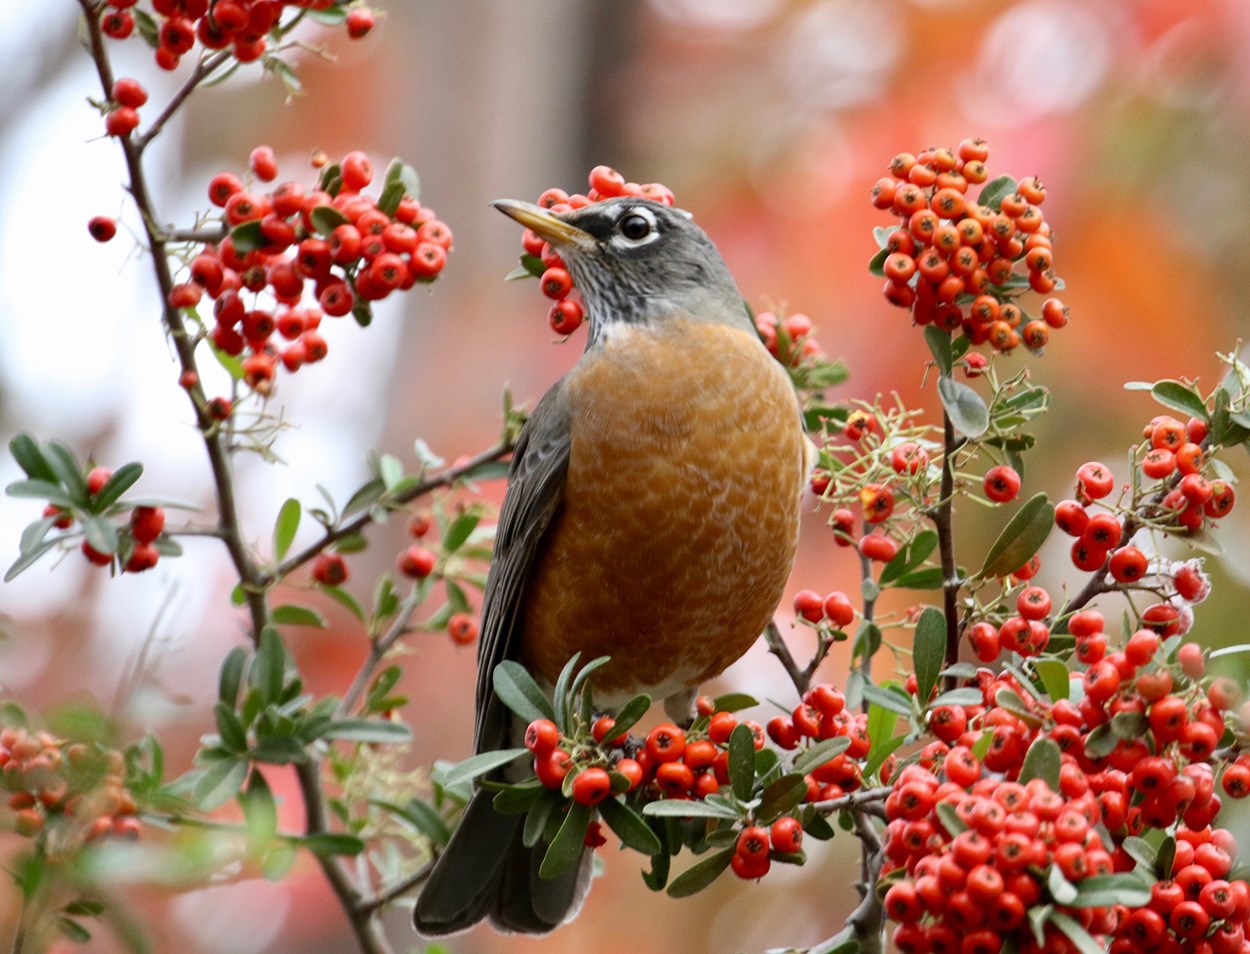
(442, 479)
(397, 890)
(205, 236)
(946, 545)
(777, 646)
(203, 69)
(377, 652)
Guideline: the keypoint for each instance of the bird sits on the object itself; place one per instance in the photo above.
(651, 515)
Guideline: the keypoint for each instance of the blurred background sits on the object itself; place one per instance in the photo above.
(770, 120)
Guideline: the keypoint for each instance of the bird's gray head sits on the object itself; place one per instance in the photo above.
(638, 261)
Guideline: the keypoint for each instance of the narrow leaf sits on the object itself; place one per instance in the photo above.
(929, 650)
(820, 753)
(122, 480)
(100, 534)
(894, 699)
(63, 463)
(1084, 942)
(292, 615)
(964, 407)
(1054, 677)
(630, 713)
(1102, 891)
(1020, 539)
(460, 529)
(566, 848)
(332, 843)
(285, 526)
(1043, 760)
(325, 219)
(29, 457)
(682, 808)
(630, 827)
(782, 796)
(518, 691)
(233, 735)
(269, 665)
(734, 702)
(37, 489)
(742, 761)
(367, 730)
(260, 813)
(939, 343)
(220, 782)
(346, 600)
(697, 877)
(480, 764)
(1179, 397)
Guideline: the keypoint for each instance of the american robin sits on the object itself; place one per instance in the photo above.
(651, 515)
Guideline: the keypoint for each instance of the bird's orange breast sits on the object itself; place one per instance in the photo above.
(680, 515)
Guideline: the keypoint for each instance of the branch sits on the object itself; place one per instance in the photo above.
(368, 932)
(442, 479)
(946, 545)
(203, 69)
(184, 344)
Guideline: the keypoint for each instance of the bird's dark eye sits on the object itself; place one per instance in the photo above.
(635, 227)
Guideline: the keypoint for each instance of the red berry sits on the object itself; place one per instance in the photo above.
(1128, 564)
(542, 736)
(786, 834)
(97, 477)
(591, 786)
(839, 610)
(1071, 517)
(666, 743)
(102, 228)
(359, 22)
(878, 547)
(329, 569)
(1095, 480)
(417, 562)
(566, 316)
(121, 122)
(357, 171)
(147, 523)
(552, 768)
(95, 556)
(1033, 603)
(809, 605)
(142, 557)
(462, 628)
(263, 163)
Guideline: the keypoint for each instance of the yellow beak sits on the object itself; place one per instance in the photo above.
(542, 223)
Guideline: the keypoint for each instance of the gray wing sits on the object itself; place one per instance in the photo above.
(535, 491)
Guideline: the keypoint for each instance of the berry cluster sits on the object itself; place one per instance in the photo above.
(975, 848)
(137, 542)
(245, 27)
(79, 787)
(351, 248)
(541, 260)
(822, 714)
(790, 339)
(952, 260)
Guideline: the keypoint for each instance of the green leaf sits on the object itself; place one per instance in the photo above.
(73, 930)
(291, 615)
(894, 699)
(567, 846)
(1054, 676)
(910, 557)
(734, 702)
(460, 529)
(963, 696)
(950, 819)
(540, 813)
(29, 457)
(928, 578)
(929, 650)
(40, 490)
(278, 750)
(1061, 889)
(939, 343)
(100, 534)
(260, 813)
(285, 526)
(867, 640)
(269, 666)
(35, 533)
(390, 470)
(85, 907)
(518, 691)
(367, 730)
(325, 219)
(399, 171)
(1020, 539)
(1141, 851)
(1043, 760)
(630, 827)
(820, 753)
(1100, 741)
(26, 560)
(345, 599)
(965, 408)
(782, 796)
(326, 843)
(682, 808)
(629, 714)
(220, 782)
(876, 264)
(122, 480)
(365, 497)
(1081, 938)
(480, 764)
(231, 676)
(247, 237)
(1100, 891)
(992, 192)
(233, 735)
(68, 472)
(697, 877)
(742, 761)
(1179, 397)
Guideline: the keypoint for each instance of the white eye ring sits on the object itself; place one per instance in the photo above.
(641, 222)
